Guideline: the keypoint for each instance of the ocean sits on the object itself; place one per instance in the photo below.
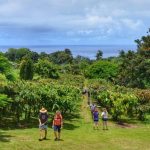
(83, 50)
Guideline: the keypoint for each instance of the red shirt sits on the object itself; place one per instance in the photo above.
(58, 120)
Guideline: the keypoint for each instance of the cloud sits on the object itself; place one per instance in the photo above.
(74, 20)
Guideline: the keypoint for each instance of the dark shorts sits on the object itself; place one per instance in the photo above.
(104, 119)
(96, 121)
(57, 128)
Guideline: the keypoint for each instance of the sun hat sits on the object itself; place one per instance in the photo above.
(43, 110)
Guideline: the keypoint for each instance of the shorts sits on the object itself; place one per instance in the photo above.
(43, 127)
(96, 121)
(57, 128)
(104, 119)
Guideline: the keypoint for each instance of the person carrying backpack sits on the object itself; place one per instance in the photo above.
(96, 118)
(57, 125)
(43, 118)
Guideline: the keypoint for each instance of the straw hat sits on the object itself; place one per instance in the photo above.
(43, 110)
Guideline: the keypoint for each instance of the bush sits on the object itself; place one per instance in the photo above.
(102, 69)
(46, 69)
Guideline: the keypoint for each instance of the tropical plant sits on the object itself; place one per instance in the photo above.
(26, 69)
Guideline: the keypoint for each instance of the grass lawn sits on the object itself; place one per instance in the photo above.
(78, 134)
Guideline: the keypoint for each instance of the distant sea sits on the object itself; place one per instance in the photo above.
(83, 50)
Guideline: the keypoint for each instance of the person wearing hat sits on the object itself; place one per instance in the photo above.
(43, 118)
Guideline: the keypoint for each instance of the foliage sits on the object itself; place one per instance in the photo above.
(134, 71)
(3, 79)
(119, 100)
(143, 103)
(26, 69)
(61, 57)
(17, 54)
(46, 69)
(6, 68)
(143, 45)
(102, 69)
(99, 55)
(29, 97)
(5, 65)
(4, 100)
(118, 103)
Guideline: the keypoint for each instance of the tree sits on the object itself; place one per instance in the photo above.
(134, 71)
(34, 56)
(122, 54)
(5, 65)
(43, 55)
(17, 54)
(26, 69)
(6, 68)
(143, 45)
(61, 57)
(46, 69)
(102, 69)
(99, 55)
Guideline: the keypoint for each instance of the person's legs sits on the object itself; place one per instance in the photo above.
(97, 124)
(103, 125)
(59, 130)
(106, 124)
(41, 134)
(55, 132)
(45, 134)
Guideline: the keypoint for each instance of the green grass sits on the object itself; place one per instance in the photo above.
(78, 134)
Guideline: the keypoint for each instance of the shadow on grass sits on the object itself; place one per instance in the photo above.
(10, 124)
(69, 126)
(72, 117)
(4, 137)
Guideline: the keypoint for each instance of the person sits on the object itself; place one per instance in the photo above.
(96, 118)
(105, 118)
(43, 118)
(92, 107)
(57, 125)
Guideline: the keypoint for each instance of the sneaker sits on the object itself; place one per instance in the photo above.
(40, 139)
(44, 138)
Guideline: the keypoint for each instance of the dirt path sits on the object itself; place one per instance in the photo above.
(85, 112)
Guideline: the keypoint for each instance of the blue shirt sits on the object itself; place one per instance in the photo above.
(96, 115)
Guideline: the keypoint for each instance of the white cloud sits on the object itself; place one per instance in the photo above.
(76, 18)
(131, 24)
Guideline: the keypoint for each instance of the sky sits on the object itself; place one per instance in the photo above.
(73, 22)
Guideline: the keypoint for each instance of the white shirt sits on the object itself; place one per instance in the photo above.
(104, 114)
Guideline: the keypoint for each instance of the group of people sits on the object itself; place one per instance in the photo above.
(95, 117)
(56, 125)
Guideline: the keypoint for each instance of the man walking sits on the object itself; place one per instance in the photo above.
(43, 118)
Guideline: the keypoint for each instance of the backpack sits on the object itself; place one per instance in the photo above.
(57, 120)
